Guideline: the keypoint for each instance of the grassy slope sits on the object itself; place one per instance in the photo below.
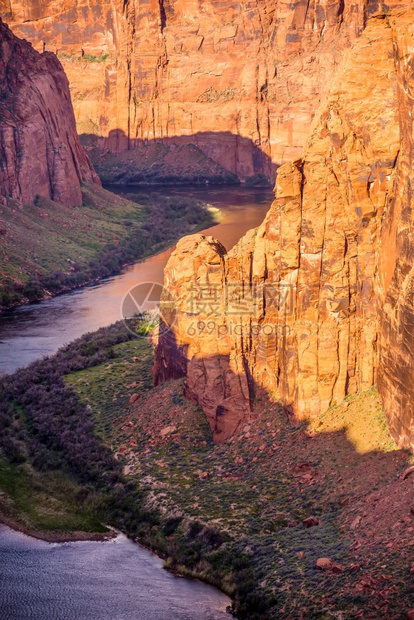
(251, 489)
(47, 505)
(231, 513)
(57, 479)
(43, 236)
(53, 248)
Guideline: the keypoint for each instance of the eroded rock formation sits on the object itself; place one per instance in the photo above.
(320, 296)
(396, 360)
(40, 152)
(240, 80)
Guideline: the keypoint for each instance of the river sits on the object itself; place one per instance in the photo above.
(117, 579)
(30, 332)
(112, 580)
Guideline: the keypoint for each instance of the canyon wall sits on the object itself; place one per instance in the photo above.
(240, 80)
(396, 360)
(40, 152)
(317, 303)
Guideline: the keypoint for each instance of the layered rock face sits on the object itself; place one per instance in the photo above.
(240, 80)
(318, 297)
(40, 151)
(396, 360)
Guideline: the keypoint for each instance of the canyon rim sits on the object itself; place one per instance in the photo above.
(170, 72)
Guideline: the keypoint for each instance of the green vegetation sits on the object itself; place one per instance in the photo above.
(92, 58)
(47, 248)
(46, 503)
(87, 58)
(106, 388)
(365, 426)
(229, 513)
(258, 180)
(212, 95)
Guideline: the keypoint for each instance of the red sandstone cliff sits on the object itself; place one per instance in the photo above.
(396, 272)
(40, 152)
(241, 80)
(320, 296)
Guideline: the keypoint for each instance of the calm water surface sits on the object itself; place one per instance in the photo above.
(30, 332)
(113, 580)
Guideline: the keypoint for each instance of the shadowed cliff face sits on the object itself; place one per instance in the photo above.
(164, 69)
(317, 297)
(40, 152)
(175, 160)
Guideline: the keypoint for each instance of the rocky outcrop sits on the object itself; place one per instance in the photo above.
(319, 299)
(40, 152)
(240, 80)
(199, 346)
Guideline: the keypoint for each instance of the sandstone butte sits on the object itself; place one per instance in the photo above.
(240, 80)
(40, 151)
(331, 266)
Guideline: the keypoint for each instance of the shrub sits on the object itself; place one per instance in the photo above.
(258, 180)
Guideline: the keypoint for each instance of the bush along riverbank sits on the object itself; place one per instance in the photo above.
(293, 521)
(47, 249)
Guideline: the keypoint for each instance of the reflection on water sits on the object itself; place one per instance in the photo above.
(30, 332)
(113, 580)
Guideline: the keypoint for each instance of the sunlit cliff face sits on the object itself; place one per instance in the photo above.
(338, 238)
(240, 80)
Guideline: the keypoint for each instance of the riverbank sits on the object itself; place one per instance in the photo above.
(234, 515)
(55, 457)
(98, 581)
(45, 506)
(53, 537)
(48, 249)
